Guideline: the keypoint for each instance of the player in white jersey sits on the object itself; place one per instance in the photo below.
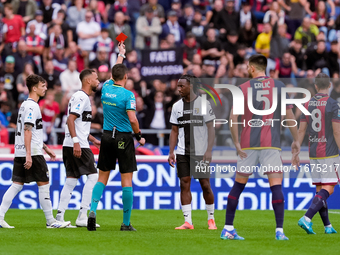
(29, 162)
(77, 155)
(195, 134)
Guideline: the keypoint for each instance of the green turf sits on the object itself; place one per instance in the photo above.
(156, 234)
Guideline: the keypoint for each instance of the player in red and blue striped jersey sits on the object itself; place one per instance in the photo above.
(260, 143)
(323, 127)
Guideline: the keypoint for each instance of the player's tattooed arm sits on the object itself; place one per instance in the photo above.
(45, 147)
(28, 127)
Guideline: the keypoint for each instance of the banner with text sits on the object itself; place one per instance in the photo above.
(164, 65)
(156, 186)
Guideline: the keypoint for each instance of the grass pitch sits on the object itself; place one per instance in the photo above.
(156, 234)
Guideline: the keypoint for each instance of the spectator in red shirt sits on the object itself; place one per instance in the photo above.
(49, 110)
(191, 47)
(13, 29)
(35, 46)
(285, 67)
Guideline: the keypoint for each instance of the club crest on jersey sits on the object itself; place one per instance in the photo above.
(196, 110)
(121, 145)
(29, 116)
(78, 107)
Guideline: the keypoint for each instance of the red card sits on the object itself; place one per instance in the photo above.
(121, 37)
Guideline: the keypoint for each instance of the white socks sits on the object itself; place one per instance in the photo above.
(87, 194)
(229, 227)
(65, 197)
(279, 229)
(307, 219)
(45, 202)
(8, 198)
(186, 209)
(210, 211)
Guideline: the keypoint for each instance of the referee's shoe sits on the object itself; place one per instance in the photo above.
(123, 227)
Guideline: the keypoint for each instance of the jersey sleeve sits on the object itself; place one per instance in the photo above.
(336, 112)
(76, 105)
(210, 116)
(303, 118)
(30, 115)
(173, 116)
(130, 104)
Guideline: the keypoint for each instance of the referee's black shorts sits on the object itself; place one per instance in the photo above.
(37, 173)
(192, 166)
(122, 148)
(76, 167)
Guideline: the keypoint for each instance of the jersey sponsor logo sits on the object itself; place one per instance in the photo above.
(20, 146)
(317, 139)
(29, 116)
(39, 124)
(87, 116)
(133, 104)
(78, 107)
(184, 122)
(110, 95)
(317, 103)
(187, 112)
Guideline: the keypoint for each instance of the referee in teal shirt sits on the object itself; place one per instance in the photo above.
(119, 106)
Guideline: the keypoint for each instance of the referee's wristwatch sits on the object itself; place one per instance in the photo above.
(138, 136)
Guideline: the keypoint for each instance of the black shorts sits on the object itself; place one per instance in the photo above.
(37, 173)
(76, 167)
(122, 148)
(191, 166)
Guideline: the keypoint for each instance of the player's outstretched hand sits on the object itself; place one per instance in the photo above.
(240, 152)
(96, 143)
(142, 141)
(172, 159)
(207, 157)
(77, 150)
(28, 162)
(121, 48)
(51, 154)
(295, 148)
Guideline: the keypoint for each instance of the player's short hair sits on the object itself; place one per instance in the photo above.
(33, 80)
(118, 72)
(85, 73)
(322, 81)
(259, 61)
(192, 79)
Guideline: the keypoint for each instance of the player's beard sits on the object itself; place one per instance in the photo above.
(94, 89)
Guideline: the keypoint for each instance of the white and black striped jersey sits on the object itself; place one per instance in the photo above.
(79, 105)
(29, 113)
(192, 128)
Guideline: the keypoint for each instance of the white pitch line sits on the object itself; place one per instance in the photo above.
(334, 212)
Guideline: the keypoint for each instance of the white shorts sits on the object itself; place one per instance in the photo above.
(324, 171)
(269, 159)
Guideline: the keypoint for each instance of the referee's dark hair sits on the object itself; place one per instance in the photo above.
(118, 72)
(33, 80)
(192, 79)
(85, 73)
(322, 81)
(259, 61)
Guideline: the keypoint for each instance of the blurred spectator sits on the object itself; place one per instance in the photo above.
(171, 26)
(157, 9)
(279, 42)
(333, 57)
(119, 26)
(212, 17)
(188, 16)
(286, 66)
(75, 15)
(176, 6)
(21, 57)
(212, 47)
(296, 12)
(317, 60)
(4, 110)
(76, 54)
(240, 55)
(10, 75)
(98, 11)
(118, 6)
(230, 46)
(5, 95)
(50, 10)
(130, 86)
(248, 34)
(262, 44)
(191, 47)
(139, 85)
(40, 27)
(297, 51)
(132, 60)
(229, 18)
(69, 79)
(247, 14)
(55, 38)
(50, 75)
(274, 12)
(59, 59)
(49, 111)
(104, 42)
(140, 111)
(88, 32)
(13, 29)
(196, 27)
(148, 28)
(335, 93)
(21, 80)
(25, 8)
(34, 47)
(322, 20)
(101, 59)
(65, 27)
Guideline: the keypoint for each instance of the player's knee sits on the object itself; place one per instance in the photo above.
(205, 185)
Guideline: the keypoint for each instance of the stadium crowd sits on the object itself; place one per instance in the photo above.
(59, 38)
